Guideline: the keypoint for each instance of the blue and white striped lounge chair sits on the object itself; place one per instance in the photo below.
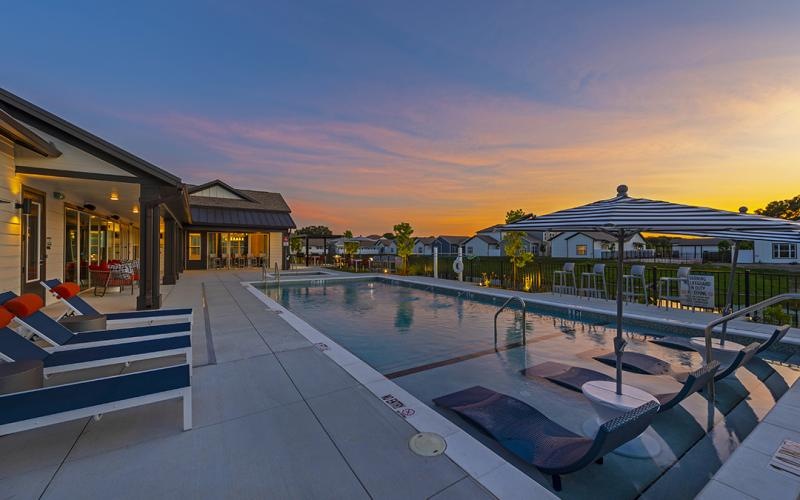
(67, 293)
(14, 347)
(27, 307)
(534, 438)
(25, 410)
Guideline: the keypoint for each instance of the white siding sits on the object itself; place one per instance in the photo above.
(217, 192)
(10, 230)
(275, 250)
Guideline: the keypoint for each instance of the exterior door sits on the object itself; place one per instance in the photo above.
(34, 253)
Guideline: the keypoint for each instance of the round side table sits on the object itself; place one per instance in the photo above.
(608, 404)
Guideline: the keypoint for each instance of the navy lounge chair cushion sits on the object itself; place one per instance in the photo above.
(89, 354)
(62, 398)
(536, 439)
(18, 348)
(84, 307)
(571, 377)
(637, 362)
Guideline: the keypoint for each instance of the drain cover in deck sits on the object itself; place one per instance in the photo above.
(427, 444)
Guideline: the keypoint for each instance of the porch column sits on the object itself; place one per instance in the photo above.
(170, 252)
(149, 265)
(181, 250)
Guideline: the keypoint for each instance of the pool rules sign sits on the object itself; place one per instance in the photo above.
(698, 291)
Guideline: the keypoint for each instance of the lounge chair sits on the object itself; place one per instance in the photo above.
(636, 362)
(51, 405)
(67, 293)
(536, 439)
(14, 347)
(27, 307)
(686, 344)
(573, 377)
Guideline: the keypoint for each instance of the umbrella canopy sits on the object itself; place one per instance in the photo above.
(640, 214)
(622, 215)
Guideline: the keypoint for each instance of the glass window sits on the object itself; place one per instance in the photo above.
(581, 250)
(194, 246)
(784, 251)
(71, 246)
(470, 250)
(32, 236)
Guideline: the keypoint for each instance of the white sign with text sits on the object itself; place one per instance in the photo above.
(698, 291)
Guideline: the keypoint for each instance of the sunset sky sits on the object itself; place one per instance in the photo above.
(442, 114)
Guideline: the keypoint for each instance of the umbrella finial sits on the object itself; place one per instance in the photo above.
(742, 210)
(622, 190)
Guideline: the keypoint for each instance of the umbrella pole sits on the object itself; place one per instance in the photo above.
(619, 342)
(729, 294)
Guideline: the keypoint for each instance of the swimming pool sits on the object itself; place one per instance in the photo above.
(399, 329)
(432, 341)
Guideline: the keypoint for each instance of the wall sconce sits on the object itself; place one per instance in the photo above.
(26, 206)
(135, 209)
(58, 195)
(114, 195)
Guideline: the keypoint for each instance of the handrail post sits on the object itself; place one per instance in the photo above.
(524, 318)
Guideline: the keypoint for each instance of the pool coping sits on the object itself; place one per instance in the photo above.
(483, 465)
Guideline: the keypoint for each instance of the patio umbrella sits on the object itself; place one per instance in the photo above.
(623, 216)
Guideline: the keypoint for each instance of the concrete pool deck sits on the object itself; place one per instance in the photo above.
(274, 416)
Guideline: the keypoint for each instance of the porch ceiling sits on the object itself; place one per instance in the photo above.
(98, 193)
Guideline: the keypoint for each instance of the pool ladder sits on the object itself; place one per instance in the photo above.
(505, 304)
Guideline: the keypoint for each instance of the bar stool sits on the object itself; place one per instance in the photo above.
(591, 282)
(561, 279)
(630, 281)
(666, 283)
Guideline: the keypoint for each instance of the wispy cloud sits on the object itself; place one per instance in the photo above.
(457, 162)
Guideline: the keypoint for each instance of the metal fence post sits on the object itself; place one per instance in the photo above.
(747, 288)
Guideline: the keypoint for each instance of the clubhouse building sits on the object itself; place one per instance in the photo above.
(72, 203)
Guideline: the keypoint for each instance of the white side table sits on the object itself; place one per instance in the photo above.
(608, 404)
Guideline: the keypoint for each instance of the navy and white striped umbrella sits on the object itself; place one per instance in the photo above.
(622, 216)
(623, 213)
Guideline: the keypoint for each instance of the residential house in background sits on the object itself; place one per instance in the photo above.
(768, 252)
(591, 245)
(449, 245)
(482, 245)
(424, 245)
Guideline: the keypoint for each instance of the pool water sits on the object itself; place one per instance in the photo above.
(432, 342)
(400, 328)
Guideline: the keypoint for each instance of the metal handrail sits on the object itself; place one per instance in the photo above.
(264, 270)
(277, 274)
(728, 317)
(741, 312)
(505, 304)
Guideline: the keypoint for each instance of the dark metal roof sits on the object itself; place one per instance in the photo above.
(240, 218)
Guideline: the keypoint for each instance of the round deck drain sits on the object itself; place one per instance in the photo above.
(427, 444)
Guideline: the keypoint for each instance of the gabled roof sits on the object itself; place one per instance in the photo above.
(425, 240)
(24, 111)
(486, 238)
(217, 182)
(253, 200)
(21, 134)
(491, 229)
(454, 240)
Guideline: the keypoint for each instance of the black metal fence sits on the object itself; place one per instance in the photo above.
(750, 286)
